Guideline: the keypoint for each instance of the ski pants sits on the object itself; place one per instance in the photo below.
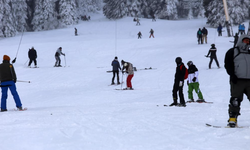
(176, 89)
(204, 38)
(129, 78)
(117, 74)
(151, 35)
(194, 86)
(237, 91)
(31, 60)
(211, 60)
(58, 61)
(12, 86)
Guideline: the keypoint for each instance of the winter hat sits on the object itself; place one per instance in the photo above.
(122, 61)
(178, 60)
(6, 57)
(116, 57)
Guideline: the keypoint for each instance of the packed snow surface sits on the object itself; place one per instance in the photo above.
(74, 107)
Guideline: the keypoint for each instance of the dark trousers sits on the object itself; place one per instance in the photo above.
(211, 60)
(117, 74)
(177, 89)
(58, 61)
(31, 60)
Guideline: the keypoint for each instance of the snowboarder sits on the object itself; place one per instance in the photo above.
(151, 33)
(116, 66)
(57, 56)
(213, 56)
(199, 36)
(139, 35)
(193, 82)
(204, 35)
(76, 32)
(128, 67)
(237, 67)
(179, 83)
(219, 29)
(8, 80)
(32, 56)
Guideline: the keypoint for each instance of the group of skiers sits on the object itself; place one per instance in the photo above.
(202, 35)
(127, 67)
(151, 34)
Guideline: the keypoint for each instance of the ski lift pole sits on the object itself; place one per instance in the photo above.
(14, 60)
(227, 18)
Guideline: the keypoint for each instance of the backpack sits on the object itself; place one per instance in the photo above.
(186, 72)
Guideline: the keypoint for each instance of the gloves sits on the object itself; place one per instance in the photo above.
(181, 83)
(194, 79)
(233, 78)
(14, 80)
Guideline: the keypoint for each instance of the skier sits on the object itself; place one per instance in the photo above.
(193, 82)
(151, 33)
(213, 56)
(116, 66)
(57, 56)
(179, 83)
(76, 32)
(199, 36)
(8, 80)
(128, 67)
(236, 37)
(219, 29)
(204, 35)
(138, 22)
(153, 18)
(32, 56)
(237, 66)
(139, 35)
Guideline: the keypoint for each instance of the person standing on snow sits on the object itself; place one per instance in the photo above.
(237, 66)
(199, 36)
(219, 29)
(139, 35)
(128, 67)
(8, 80)
(236, 37)
(193, 83)
(204, 35)
(151, 33)
(116, 66)
(138, 22)
(32, 56)
(179, 83)
(57, 56)
(213, 56)
(76, 32)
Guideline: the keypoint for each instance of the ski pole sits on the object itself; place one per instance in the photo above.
(122, 80)
(14, 60)
(65, 60)
(23, 81)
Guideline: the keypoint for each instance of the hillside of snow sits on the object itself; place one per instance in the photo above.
(75, 108)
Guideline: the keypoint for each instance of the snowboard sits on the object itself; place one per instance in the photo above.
(216, 126)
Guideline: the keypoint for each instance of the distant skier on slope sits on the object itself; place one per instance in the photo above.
(179, 83)
(32, 56)
(151, 33)
(128, 67)
(57, 57)
(193, 82)
(212, 51)
(116, 66)
(139, 35)
(199, 36)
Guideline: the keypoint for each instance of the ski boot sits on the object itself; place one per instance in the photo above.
(200, 101)
(232, 122)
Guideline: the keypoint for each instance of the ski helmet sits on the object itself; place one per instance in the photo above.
(189, 63)
(178, 60)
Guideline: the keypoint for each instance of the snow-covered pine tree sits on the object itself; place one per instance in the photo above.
(168, 9)
(217, 14)
(68, 13)
(115, 9)
(134, 7)
(7, 24)
(238, 11)
(19, 12)
(87, 6)
(44, 17)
